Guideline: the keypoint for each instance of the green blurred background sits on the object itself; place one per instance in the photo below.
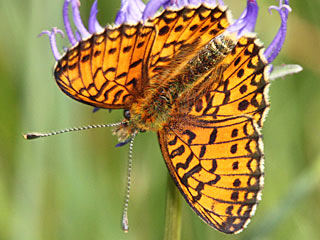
(72, 186)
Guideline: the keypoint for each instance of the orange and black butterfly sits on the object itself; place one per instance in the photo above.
(200, 88)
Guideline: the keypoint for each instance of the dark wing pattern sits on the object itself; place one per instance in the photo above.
(112, 68)
(243, 88)
(179, 28)
(107, 69)
(214, 150)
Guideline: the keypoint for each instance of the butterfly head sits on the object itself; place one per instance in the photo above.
(127, 129)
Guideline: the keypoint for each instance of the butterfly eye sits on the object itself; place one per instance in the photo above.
(126, 114)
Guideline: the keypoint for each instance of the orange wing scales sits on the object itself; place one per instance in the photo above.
(179, 28)
(107, 69)
(111, 68)
(244, 87)
(213, 148)
(217, 167)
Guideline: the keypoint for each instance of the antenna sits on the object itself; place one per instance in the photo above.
(125, 221)
(34, 135)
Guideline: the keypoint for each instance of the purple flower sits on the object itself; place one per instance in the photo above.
(247, 21)
(133, 11)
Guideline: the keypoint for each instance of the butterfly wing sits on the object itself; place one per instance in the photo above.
(220, 176)
(214, 150)
(107, 69)
(243, 89)
(179, 28)
(112, 68)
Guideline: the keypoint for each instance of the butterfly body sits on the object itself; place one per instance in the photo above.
(202, 90)
(175, 90)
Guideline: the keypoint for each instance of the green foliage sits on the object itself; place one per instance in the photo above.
(72, 186)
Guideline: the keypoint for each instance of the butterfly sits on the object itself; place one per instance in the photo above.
(203, 90)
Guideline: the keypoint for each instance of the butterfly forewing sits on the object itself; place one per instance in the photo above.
(111, 69)
(179, 28)
(107, 69)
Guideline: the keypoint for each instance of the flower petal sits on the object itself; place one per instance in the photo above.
(67, 24)
(130, 12)
(221, 2)
(77, 19)
(93, 24)
(152, 7)
(274, 48)
(247, 21)
(52, 38)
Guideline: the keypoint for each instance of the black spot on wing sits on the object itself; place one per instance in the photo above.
(186, 164)
(213, 136)
(177, 152)
(164, 30)
(202, 151)
(127, 49)
(136, 63)
(234, 133)
(214, 166)
(214, 181)
(236, 183)
(235, 165)
(243, 89)
(243, 105)
(112, 50)
(234, 148)
(191, 136)
(188, 174)
(234, 196)
(173, 141)
(85, 58)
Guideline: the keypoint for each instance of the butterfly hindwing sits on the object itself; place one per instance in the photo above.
(218, 168)
(243, 88)
(213, 147)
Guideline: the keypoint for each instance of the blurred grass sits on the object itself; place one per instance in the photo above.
(72, 186)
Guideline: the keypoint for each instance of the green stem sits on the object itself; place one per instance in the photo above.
(173, 212)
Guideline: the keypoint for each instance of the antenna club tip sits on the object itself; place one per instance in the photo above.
(30, 136)
(125, 223)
